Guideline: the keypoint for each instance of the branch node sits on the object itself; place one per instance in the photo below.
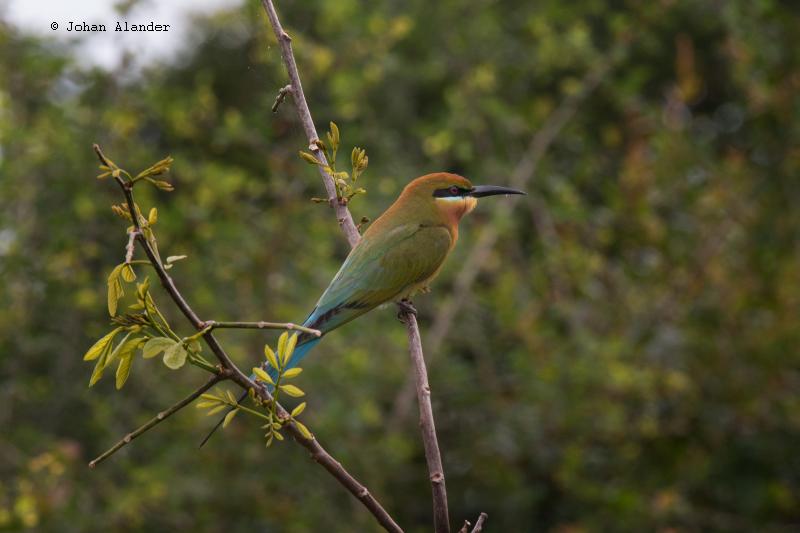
(281, 97)
(131, 246)
(437, 477)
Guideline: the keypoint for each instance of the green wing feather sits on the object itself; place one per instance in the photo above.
(383, 266)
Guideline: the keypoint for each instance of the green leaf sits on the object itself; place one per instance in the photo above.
(156, 345)
(118, 348)
(309, 158)
(270, 355)
(292, 391)
(282, 344)
(123, 370)
(127, 273)
(263, 376)
(292, 372)
(97, 373)
(115, 291)
(216, 410)
(98, 347)
(125, 354)
(303, 429)
(142, 288)
(228, 418)
(163, 185)
(299, 409)
(231, 397)
(289, 349)
(333, 137)
(175, 356)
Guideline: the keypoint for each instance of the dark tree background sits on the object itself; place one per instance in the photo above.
(627, 359)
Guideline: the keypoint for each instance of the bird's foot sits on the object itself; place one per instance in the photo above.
(406, 308)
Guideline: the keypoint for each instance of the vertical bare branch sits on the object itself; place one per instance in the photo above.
(441, 521)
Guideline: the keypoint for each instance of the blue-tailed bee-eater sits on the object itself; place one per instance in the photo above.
(398, 255)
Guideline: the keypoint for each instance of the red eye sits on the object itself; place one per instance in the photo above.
(454, 191)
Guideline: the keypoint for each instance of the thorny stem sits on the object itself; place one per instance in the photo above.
(160, 417)
(229, 369)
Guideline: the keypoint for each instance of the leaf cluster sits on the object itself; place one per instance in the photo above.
(345, 181)
(280, 365)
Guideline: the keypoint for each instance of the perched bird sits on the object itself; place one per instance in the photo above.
(398, 255)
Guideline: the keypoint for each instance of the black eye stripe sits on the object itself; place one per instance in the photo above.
(450, 192)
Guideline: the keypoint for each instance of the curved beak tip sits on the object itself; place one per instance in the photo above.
(492, 190)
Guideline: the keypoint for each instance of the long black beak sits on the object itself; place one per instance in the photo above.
(491, 190)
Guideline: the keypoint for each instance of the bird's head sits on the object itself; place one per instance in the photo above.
(452, 195)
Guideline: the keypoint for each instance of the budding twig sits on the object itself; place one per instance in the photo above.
(299, 98)
(160, 417)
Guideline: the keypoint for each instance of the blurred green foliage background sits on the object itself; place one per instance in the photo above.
(626, 360)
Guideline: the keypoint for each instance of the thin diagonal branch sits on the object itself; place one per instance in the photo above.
(350, 230)
(441, 521)
(213, 324)
(230, 371)
(160, 417)
(523, 173)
